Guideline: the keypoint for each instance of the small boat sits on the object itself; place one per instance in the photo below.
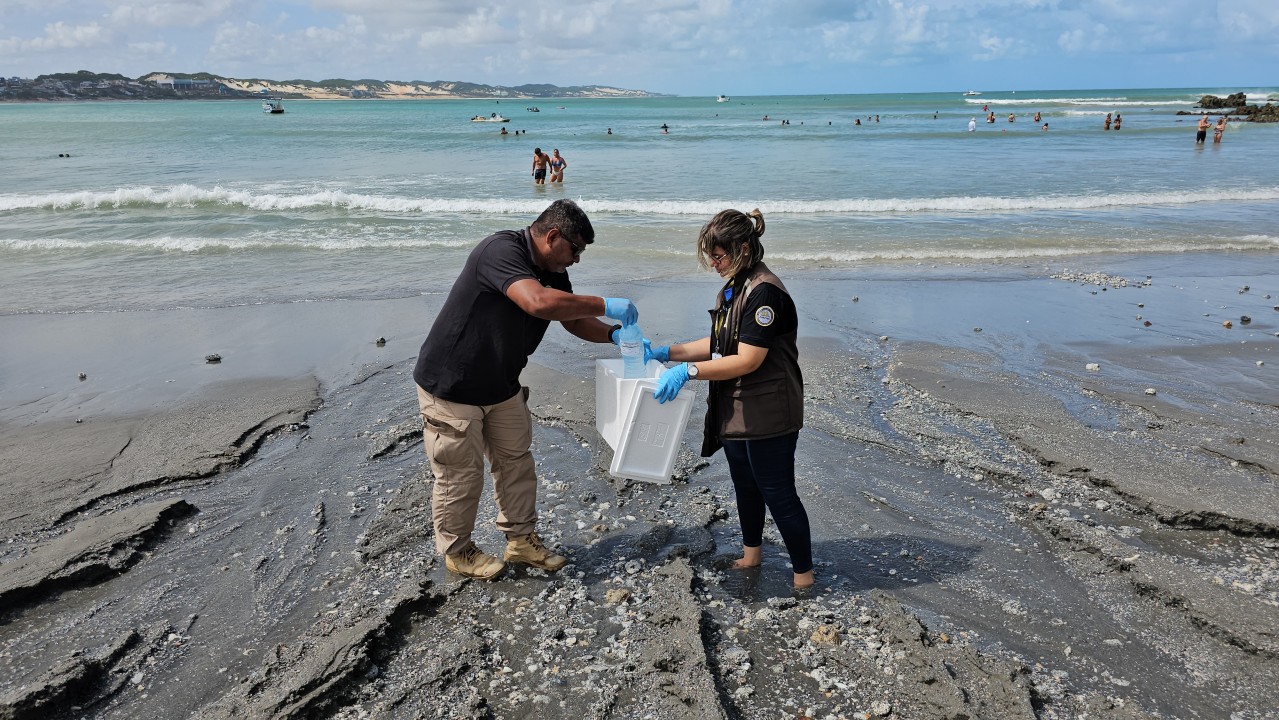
(722, 98)
(491, 118)
(273, 106)
(970, 93)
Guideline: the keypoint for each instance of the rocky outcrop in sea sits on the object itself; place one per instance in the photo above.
(1236, 105)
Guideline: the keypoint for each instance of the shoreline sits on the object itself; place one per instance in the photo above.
(999, 530)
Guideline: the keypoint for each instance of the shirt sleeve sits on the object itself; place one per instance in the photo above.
(764, 316)
(503, 261)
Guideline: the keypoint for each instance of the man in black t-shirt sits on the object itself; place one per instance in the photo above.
(468, 381)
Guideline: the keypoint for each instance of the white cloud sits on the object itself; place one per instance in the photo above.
(1248, 19)
(153, 49)
(993, 47)
(909, 23)
(176, 13)
(662, 45)
(58, 36)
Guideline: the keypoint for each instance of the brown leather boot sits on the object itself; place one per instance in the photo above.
(473, 562)
(529, 550)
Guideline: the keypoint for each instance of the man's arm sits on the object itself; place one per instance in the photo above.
(551, 304)
(589, 329)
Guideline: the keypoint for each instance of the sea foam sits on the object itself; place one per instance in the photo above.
(186, 196)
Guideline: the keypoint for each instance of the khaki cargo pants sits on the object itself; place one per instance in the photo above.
(457, 438)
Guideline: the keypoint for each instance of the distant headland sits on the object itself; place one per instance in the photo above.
(87, 85)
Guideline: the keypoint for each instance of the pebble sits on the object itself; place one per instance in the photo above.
(1092, 367)
(1099, 279)
(213, 358)
(380, 341)
(976, 329)
(881, 709)
(1227, 324)
(1150, 391)
(1261, 363)
(84, 376)
(1244, 319)
(825, 635)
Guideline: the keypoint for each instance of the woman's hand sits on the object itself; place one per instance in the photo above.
(669, 384)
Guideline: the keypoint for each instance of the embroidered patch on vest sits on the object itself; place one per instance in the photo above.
(764, 316)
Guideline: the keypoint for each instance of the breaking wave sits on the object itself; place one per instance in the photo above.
(1102, 101)
(187, 196)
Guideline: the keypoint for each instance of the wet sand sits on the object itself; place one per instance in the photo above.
(1006, 524)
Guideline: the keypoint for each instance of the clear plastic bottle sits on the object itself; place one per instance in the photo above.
(631, 340)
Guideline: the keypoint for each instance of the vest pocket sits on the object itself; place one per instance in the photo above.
(756, 410)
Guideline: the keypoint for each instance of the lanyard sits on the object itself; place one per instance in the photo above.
(722, 311)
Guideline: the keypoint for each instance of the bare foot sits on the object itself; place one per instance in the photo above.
(804, 580)
(751, 557)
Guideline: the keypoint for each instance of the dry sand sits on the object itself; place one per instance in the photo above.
(1000, 532)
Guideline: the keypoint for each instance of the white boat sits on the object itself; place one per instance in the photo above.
(971, 93)
(722, 98)
(491, 118)
(273, 106)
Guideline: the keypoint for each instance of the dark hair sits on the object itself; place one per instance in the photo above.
(569, 219)
(537, 151)
(738, 234)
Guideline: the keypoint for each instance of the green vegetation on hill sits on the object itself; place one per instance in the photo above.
(81, 76)
(76, 85)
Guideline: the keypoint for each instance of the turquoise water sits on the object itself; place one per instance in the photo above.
(200, 204)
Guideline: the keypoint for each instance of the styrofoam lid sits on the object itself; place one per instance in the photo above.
(651, 435)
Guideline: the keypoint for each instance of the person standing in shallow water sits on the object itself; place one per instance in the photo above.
(756, 400)
(514, 283)
(540, 161)
(558, 163)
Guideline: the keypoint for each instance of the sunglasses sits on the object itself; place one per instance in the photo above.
(716, 258)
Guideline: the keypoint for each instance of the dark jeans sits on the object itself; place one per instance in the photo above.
(763, 474)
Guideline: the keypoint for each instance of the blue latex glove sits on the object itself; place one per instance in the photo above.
(660, 354)
(621, 310)
(669, 384)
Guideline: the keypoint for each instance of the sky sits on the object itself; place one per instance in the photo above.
(677, 47)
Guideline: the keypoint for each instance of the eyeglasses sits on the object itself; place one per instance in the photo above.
(716, 258)
(577, 249)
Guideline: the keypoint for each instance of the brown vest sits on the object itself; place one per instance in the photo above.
(765, 403)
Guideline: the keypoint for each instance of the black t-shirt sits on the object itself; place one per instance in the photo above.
(769, 313)
(481, 339)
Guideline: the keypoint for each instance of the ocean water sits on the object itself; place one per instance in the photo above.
(210, 204)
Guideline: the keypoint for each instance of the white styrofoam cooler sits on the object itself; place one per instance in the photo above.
(644, 434)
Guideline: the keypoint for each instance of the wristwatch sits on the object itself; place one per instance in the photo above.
(692, 371)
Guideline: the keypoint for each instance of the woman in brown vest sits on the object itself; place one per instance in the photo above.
(756, 400)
